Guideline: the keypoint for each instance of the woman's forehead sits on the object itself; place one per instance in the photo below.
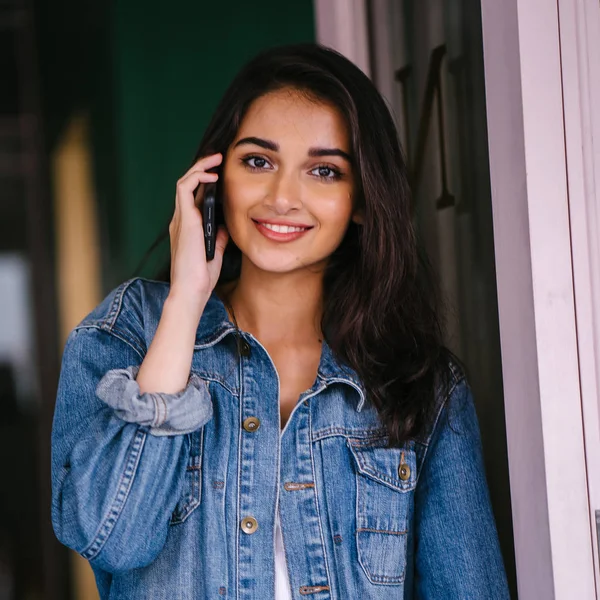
(291, 115)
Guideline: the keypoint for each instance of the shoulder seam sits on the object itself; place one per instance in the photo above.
(111, 318)
(108, 320)
(458, 378)
(118, 334)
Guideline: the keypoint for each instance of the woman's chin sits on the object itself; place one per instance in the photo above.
(280, 262)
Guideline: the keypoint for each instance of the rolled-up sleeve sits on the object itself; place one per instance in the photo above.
(164, 414)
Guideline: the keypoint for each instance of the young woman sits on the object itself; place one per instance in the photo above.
(282, 421)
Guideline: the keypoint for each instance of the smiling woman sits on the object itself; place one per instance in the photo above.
(279, 421)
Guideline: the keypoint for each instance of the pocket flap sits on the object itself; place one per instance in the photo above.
(394, 467)
(192, 487)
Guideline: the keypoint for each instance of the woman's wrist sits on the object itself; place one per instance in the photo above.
(166, 366)
(186, 304)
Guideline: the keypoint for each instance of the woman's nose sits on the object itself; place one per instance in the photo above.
(285, 193)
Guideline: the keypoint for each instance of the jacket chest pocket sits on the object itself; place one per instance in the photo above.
(385, 482)
(192, 487)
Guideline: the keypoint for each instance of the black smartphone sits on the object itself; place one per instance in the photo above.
(209, 219)
(210, 216)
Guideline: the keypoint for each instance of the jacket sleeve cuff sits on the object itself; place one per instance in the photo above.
(164, 414)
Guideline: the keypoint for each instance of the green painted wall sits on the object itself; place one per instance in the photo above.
(172, 62)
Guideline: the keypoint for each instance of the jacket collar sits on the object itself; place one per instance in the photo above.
(215, 325)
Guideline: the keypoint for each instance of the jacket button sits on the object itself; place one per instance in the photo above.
(404, 471)
(244, 348)
(251, 424)
(249, 525)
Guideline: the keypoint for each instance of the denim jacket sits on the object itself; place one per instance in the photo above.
(175, 496)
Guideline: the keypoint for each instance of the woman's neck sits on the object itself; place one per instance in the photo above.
(276, 307)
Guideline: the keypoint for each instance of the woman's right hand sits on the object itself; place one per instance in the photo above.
(193, 278)
(166, 366)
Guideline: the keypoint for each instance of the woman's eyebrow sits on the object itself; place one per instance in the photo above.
(274, 147)
(266, 144)
(330, 152)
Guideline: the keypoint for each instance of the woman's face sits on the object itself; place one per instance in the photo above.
(288, 182)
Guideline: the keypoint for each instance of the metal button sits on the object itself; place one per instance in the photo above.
(244, 348)
(404, 471)
(249, 525)
(251, 424)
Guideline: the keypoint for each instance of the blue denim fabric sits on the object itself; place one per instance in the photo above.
(152, 489)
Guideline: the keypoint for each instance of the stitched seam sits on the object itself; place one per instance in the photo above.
(113, 334)
(108, 320)
(123, 489)
(304, 397)
(435, 424)
(215, 379)
(342, 431)
(357, 510)
(157, 409)
(115, 309)
(312, 465)
(370, 576)
(277, 482)
(354, 384)
(165, 411)
(193, 500)
(239, 485)
(125, 335)
(217, 337)
(340, 379)
(196, 484)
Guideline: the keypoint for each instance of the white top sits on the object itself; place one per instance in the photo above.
(282, 583)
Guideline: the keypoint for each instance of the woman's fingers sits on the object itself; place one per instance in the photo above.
(203, 165)
(208, 162)
(188, 184)
(198, 174)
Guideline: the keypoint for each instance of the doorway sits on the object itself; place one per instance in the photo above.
(427, 60)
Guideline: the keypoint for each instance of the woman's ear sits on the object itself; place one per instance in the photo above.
(358, 217)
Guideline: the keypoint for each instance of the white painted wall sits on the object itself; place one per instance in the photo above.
(580, 60)
(528, 163)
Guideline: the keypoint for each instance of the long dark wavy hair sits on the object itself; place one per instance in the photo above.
(381, 304)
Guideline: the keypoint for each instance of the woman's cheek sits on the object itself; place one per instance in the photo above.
(336, 213)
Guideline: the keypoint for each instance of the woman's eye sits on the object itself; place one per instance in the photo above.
(256, 162)
(325, 172)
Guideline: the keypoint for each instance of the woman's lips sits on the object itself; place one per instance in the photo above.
(279, 236)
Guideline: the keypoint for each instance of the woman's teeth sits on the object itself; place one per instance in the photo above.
(283, 228)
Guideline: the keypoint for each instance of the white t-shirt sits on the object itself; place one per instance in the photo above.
(282, 583)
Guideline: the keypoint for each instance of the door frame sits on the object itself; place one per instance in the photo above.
(579, 28)
(531, 185)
